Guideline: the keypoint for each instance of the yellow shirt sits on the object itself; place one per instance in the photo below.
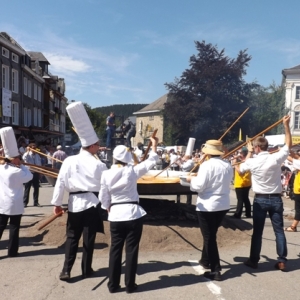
(243, 180)
(297, 183)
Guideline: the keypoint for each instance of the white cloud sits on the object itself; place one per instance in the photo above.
(66, 64)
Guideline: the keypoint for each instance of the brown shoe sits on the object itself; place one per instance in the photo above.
(280, 266)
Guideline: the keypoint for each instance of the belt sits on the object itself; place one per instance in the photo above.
(117, 203)
(84, 192)
(267, 195)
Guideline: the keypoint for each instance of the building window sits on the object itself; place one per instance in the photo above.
(15, 81)
(25, 86)
(151, 118)
(35, 91)
(5, 120)
(5, 77)
(39, 95)
(15, 57)
(298, 93)
(39, 118)
(297, 120)
(25, 116)
(15, 113)
(34, 116)
(29, 88)
(28, 117)
(5, 52)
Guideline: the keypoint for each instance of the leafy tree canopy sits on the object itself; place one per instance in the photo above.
(267, 107)
(209, 96)
(125, 110)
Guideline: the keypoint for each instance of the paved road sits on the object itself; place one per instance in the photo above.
(173, 275)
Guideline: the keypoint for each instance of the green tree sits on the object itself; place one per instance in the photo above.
(209, 96)
(267, 107)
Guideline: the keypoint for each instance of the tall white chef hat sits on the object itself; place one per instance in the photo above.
(190, 146)
(82, 124)
(9, 142)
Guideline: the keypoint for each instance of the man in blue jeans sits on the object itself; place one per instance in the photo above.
(265, 171)
(110, 129)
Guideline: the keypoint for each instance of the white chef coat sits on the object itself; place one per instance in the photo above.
(187, 165)
(119, 185)
(213, 185)
(11, 188)
(81, 172)
(173, 159)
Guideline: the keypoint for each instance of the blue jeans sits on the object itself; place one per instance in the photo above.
(109, 134)
(273, 206)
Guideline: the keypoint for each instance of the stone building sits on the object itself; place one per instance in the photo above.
(32, 100)
(148, 119)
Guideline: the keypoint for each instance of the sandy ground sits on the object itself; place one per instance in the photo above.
(167, 227)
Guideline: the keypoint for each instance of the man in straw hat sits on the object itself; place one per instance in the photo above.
(265, 171)
(120, 198)
(12, 176)
(80, 176)
(213, 187)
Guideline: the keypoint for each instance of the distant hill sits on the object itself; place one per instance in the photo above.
(125, 110)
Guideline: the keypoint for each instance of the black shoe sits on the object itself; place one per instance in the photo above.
(13, 254)
(205, 266)
(213, 276)
(37, 204)
(25, 204)
(64, 276)
(235, 217)
(88, 274)
(114, 289)
(130, 290)
(251, 264)
(247, 216)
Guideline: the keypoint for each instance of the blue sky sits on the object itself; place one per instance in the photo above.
(120, 52)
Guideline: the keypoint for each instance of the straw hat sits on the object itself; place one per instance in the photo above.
(213, 147)
(123, 154)
(82, 124)
(9, 142)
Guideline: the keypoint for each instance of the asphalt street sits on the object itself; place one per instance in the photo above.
(173, 275)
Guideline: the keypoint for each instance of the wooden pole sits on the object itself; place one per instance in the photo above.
(40, 169)
(204, 156)
(51, 219)
(166, 167)
(251, 139)
(45, 154)
(233, 124)
(149, 145)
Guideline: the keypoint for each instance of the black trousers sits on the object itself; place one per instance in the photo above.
(78, 223)
(297, 207)
(35, 182)
(242, 195)
(131, 232)
(209, 223)
(14, 223)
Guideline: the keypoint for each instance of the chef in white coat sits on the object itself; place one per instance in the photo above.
(12, 176)
(80, 176)
(120, 198)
